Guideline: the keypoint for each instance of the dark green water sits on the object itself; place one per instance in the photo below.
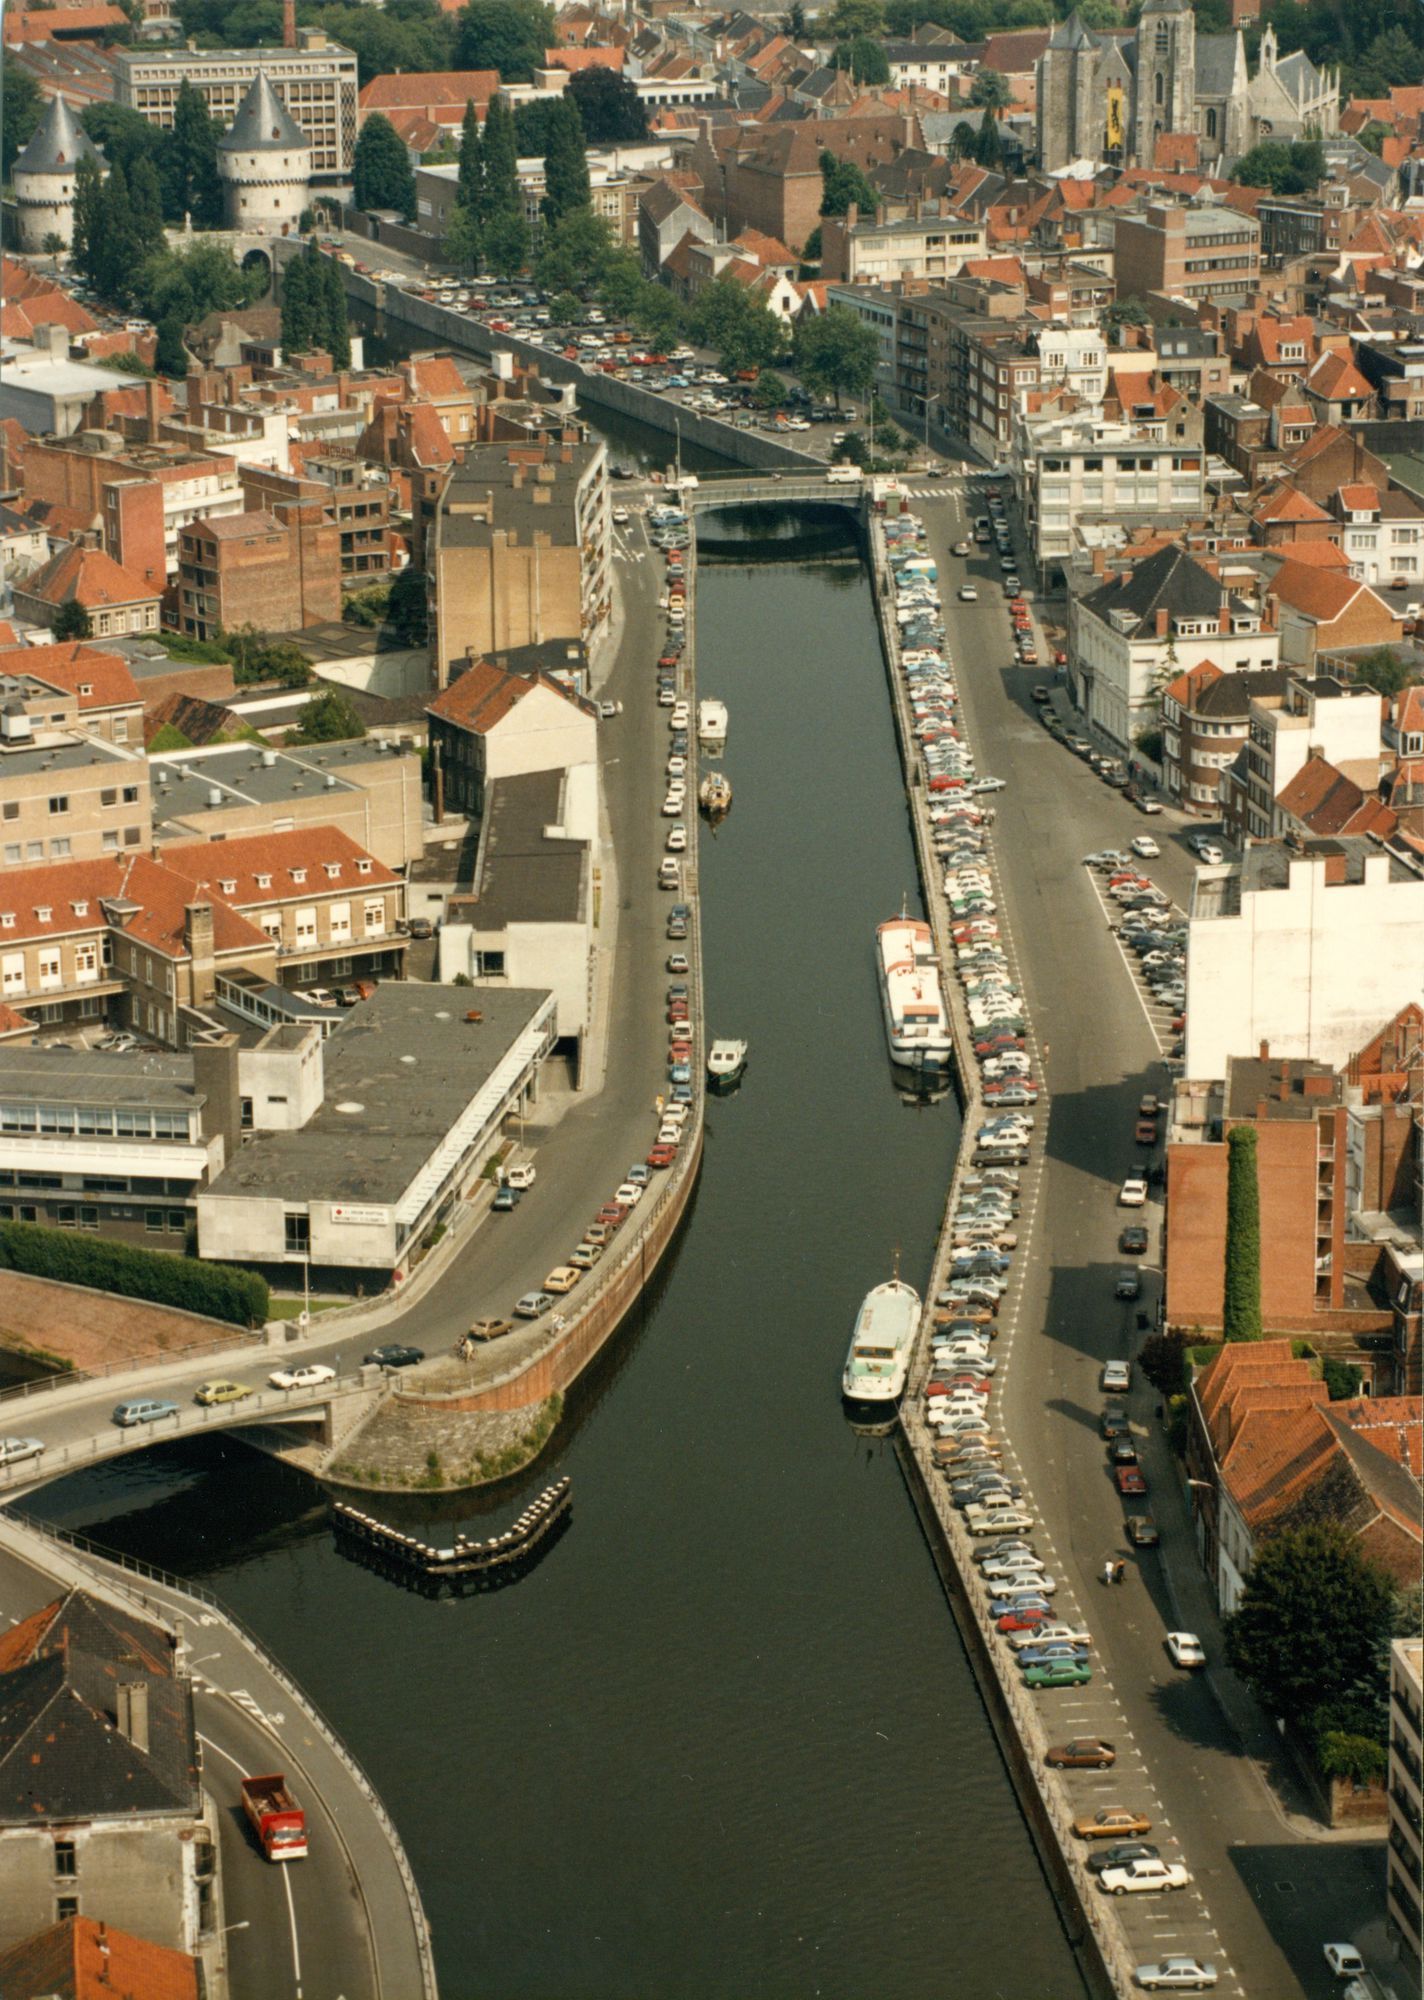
(723, 1742)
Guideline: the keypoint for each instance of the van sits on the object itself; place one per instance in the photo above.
(844, 475)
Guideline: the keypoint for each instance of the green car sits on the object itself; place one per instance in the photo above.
(1058, 1674)
(222, 1392)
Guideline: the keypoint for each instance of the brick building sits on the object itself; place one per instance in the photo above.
(277, 571)
(117, 601)
(1187, 252)
(1204, 718)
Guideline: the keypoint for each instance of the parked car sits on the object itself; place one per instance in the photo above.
(1344, 1961)
(1127, 1285)
(1082, 1753)
(533, 1304)
(490, 1329)
(1058, 1674)
(1133, 1240)
(1116, 1376)
(1133, 1193)
(1144, 1878)
(1117, 1855)
(1178, 1972)
(563, 1278)
(1111, 1823)
(1142, 1531)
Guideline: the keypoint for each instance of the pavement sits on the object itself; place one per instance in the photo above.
(337, 1926)
(1276, 1885)
(582, 1142)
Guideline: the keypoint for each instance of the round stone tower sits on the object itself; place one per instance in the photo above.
(44, 177)
(265, 160)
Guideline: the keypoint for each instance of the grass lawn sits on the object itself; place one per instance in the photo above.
(292, 1308)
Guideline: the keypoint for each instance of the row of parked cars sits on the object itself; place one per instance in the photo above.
(1152, 931)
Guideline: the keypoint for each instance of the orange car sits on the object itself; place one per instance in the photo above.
(1112, 1823)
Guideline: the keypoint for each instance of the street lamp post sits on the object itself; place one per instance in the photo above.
(930, 402)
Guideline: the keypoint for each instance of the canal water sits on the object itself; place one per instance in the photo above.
(723, 1741)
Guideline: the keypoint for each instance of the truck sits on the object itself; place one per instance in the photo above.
(277, 1819)
(844, 475)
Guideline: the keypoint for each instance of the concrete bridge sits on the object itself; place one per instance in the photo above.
(74, 1421)
(775, 489)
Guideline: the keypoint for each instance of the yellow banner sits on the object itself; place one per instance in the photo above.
(1114, 127)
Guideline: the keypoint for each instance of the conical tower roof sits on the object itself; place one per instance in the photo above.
(263, 123)
(59, 143)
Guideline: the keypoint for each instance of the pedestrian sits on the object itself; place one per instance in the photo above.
(1108, 1570)
(1119, 1571)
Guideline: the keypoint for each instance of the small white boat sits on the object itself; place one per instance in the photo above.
(878, 1363)
(712, 723)
(714, 795)
(725, 1061)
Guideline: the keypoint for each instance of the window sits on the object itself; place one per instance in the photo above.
(130, 795)
(65, 1906)
(109, 797)
(374, 914)
(12, 857)
(59, 803)
(60, 850)
(306, 929)
(12, 809)
(153, 1221)
(340, 920)
(86, 961)
(298, 1235)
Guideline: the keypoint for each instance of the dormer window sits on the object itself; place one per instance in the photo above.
(299, 875)
(228, 888)
(264, 881)
(80, 909)
(333, 871)
(7, 920)
(44, 911)
(86, 687)
(363, 867)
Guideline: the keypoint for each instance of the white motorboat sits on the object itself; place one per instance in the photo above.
(726, 1060)
(916, 1018)
(714, 795)
(712, 723)
(878, 1363)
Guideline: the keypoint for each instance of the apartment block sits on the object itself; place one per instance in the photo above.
(68, 796)
(1100, 470)
(367, 789)
(1204, 720)
(860, 250)
(316, 82)
(141, 493)
(278, 571)
(1404, 1860)
(1312, 715)
(1187, 252)
(521, 549)
(1306, 949)
(75, 687)
(357, 497)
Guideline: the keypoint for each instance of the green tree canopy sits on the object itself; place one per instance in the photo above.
(566, 182)
(849, 18)
(1294, 168)
(258, 658)
(189, 284)
(407, 608)
(329, 717)
(506, 243)
(121, 135)
(511, 36)
(472, 163)
(381, 172)
(864, 58)
(71, 621)
(744, 332)
(1241, 1309)
(171, 356)
(1385, 670)
(609, 107)
(1311, 1621)
(843, 182)
(188, 162)
(404, 36)
(620, 282)
(575, 252)
(462, 241)
(24, 108)
(836, 352)
(992, 89)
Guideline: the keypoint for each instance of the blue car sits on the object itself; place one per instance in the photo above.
(143, 1410)
(1000, 1607)
(681, 1093)
(1054, 1649)
(505, 1199)
(679, 1072)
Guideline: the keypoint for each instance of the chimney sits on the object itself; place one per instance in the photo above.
(132, 1716)
(1265, 1051)
(198, 940)
(150, 411)
(1162, 616)
(215, 1077)
(289, 24)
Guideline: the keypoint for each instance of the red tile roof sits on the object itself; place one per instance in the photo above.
(87, 577)
(1328, 803)
(264, 868)
(1358, 498)
(1320, 594)
(65, 898)
(1336, 379)
(100, 680)
(84, 1959)
(426, 87)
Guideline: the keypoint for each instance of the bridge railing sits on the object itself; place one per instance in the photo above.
(46, 1385)
(183, 1588)
(263, 1405)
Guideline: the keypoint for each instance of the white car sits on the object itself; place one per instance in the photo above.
(1185, 1649)
(673, 804)
(1044, 1635)
(995, 1523)
(968, 594)
(1344, 1961)
(988, 785)
(1117, 1375)
(630, 1194)
(14, 1450)
(1178, 1972)
(1133, 1193)
(677, 838)
(311, 1376)
(1140, 1878)
(681, 713)
(520, 1177)
(1145, 846)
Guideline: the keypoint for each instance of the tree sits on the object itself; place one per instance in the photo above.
(988, 146)
(511, 36)
(1163, 1360)
(1241, 1310)
(88, 191)
(188, 161)
(565, 309)
(1311, 1620)
(189, 284)
(1125, 312)
(337, 327)
(146, 206)
(1385, 670)
(1341, 1378)
(171, 356)
(329, 718)
(566, 182)
(461, 243)
(71, 621)
(992, 89)
(849, 18)
(303, 307)
(258, 658)
(609, 107)
(620, 282)
(501, 190)
(794, 21)
(843, 182)
(864, 58)
(575, 252)
(655, 313)
(1392, 60)
(472, 175)
(1296, 168)
(381, 173)
(963, 140)
(124, 136)
(407, 608)
(24, 108)
(770, 391)
(506, 243)
(836, 352)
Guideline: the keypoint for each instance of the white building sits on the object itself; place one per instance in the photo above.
(1406, 1794)
(44, 176)
(880, 253)
(877, 310)
(1089, 469)
(1315, 716)
(1134, 633)
(1076, 357)
(1306, 948)
(265, 162)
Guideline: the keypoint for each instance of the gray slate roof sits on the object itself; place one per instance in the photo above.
(1215, 65)
(1170, 581)
(58, 144)
(263, 123)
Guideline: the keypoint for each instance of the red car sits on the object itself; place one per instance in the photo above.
(1028, 656)
(1145, 1132)
(662, 1156)
(677, 1010)
(1060, 659)
(1023, 1621)
(613, 1213)
(1130, 1479)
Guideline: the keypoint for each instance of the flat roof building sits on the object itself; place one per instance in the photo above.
(316, 82)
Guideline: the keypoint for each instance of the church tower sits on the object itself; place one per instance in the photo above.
(1166, 74)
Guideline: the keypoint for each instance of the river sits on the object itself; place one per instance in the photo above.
(723, 1741)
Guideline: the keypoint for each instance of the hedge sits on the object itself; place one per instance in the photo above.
(219, 1291)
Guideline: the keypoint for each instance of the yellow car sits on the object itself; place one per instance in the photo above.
(587, 1255)
(562, 1278)
(221, 1392)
